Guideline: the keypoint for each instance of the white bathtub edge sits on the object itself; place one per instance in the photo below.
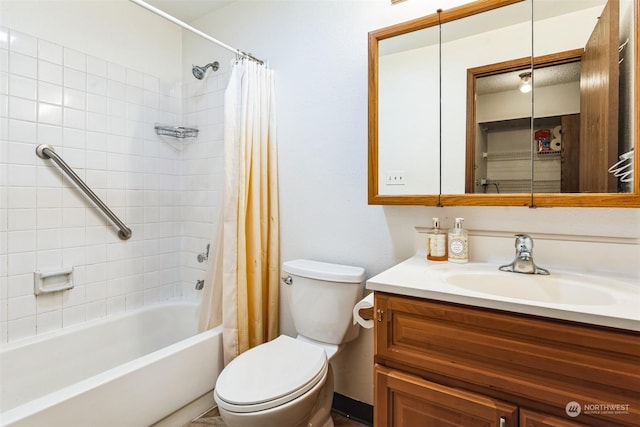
(20, 415)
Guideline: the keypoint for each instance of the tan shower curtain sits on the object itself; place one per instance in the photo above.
(244, 280)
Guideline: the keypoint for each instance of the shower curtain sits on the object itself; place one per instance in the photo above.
(243, 289)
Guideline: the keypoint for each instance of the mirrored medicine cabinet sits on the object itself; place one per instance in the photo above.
(507, 103)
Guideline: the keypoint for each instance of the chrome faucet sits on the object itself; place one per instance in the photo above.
(523, 263)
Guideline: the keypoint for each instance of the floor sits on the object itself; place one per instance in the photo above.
(212, 418)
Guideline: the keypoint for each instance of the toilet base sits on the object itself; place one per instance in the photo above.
(301, 412)
(321, 412)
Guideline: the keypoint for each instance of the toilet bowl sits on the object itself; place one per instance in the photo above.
(280, 383)
(288, 382)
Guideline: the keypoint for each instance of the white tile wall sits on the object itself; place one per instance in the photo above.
(99, 116)
(202, 163)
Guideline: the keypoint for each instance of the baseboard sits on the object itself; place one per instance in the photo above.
(357, 411)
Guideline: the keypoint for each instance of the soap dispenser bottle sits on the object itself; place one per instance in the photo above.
(458, 243)
(436, 242)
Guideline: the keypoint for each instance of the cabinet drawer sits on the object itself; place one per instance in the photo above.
(542, 360)
(413, 401)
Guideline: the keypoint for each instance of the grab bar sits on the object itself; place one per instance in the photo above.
(45, 151)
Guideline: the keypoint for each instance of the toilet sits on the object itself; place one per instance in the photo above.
(289, 381)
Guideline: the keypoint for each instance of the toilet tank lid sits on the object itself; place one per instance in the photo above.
(324, 271)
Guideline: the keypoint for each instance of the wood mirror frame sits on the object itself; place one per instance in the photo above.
(631, 199)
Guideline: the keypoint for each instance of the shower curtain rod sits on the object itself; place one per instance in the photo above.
(193, 30)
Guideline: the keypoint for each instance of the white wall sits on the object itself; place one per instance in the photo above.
(408, 121)
(116, 30)
(319, 52)
(202, 162)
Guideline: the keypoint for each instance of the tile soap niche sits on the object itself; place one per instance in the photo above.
(45, 282)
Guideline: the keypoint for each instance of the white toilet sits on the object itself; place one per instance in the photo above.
(288, 382)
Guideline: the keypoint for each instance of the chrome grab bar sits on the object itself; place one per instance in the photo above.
(45, 151)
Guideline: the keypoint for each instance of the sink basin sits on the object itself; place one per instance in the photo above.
(555, 289)
(603, 299)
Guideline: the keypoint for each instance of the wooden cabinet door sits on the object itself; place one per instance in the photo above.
(599, 107)
(570, 154)
(405, 400)
(535, 419)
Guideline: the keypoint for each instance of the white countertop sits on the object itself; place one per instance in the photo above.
(420, 278)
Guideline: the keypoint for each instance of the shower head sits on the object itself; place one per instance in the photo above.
(199, 72)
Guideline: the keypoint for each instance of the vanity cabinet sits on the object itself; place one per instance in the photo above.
(439, 363)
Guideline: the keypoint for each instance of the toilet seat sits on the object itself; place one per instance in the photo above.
(270, 375)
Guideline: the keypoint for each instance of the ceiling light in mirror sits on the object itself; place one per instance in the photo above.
(525, 82)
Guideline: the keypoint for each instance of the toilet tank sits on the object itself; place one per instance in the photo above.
(321, 297)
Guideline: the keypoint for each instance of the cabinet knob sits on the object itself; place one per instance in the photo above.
(503, 422)
(379, 315)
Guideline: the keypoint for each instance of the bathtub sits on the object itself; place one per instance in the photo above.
(133, 369)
